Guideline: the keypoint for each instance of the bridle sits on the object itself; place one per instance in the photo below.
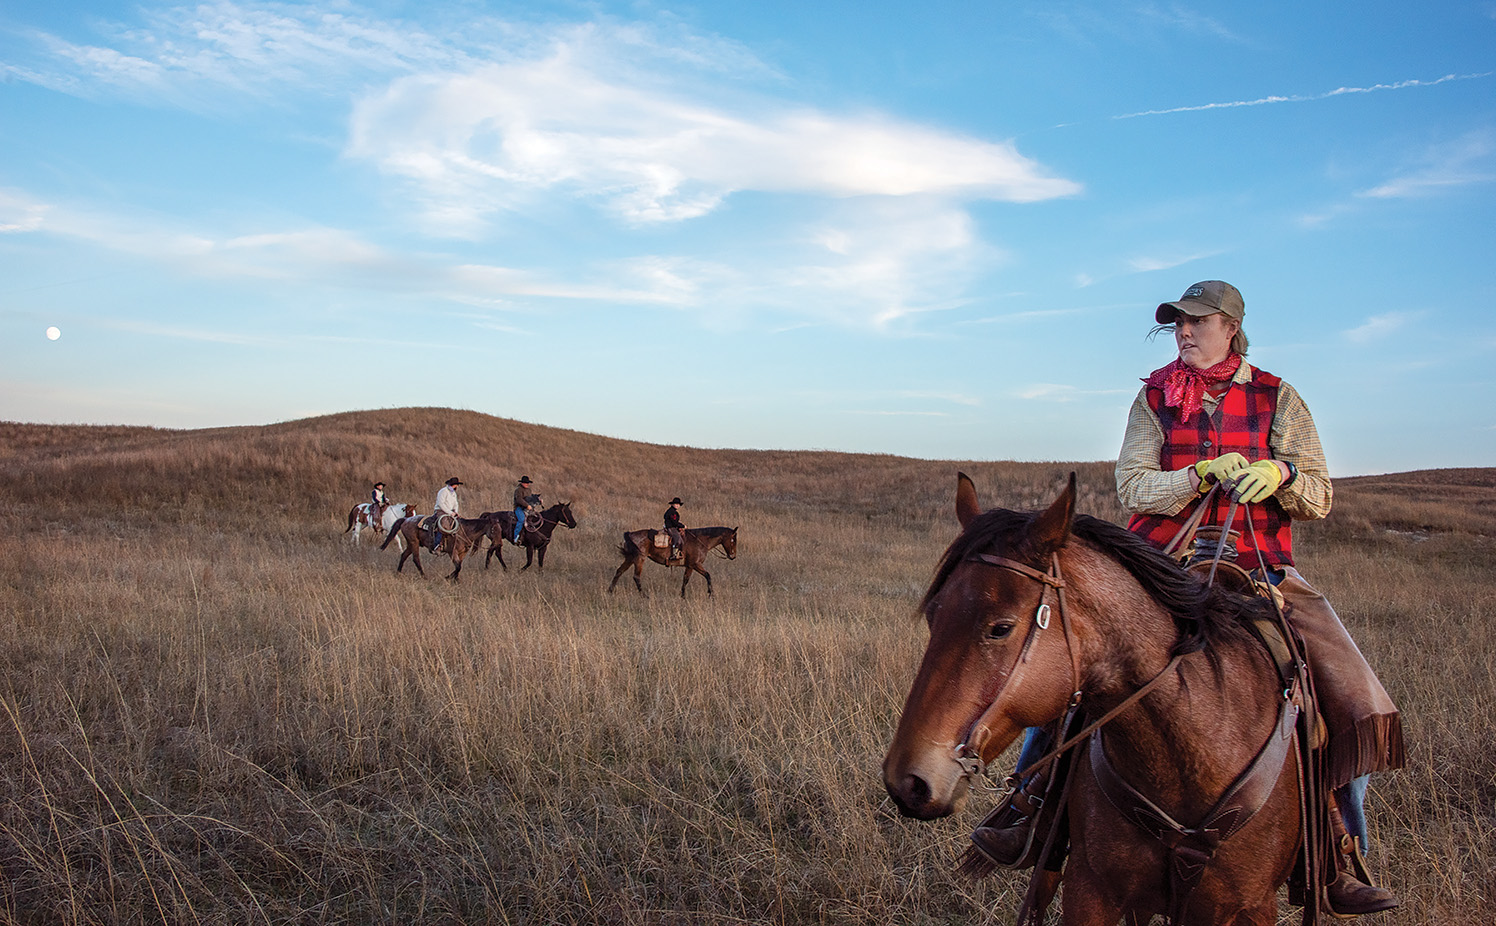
(969, 753)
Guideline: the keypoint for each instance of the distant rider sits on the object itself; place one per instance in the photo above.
(674, 527)
(524, 499)
(446, 503)
(377, 504)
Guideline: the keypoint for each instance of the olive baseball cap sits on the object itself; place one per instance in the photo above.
(1204, 298)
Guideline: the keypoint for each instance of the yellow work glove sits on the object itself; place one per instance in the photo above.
(1257, 482)
(1221, 469)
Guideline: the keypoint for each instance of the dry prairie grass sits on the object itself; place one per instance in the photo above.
(217, 711)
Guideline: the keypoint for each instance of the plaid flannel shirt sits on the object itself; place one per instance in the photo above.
(1144, 488)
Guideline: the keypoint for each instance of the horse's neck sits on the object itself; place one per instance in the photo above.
(1189, 738)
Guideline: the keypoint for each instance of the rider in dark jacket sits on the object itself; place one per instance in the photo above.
(674, 527)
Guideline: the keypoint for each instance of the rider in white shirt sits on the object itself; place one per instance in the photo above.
(446, 503)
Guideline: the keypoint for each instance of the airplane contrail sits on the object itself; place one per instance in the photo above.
(1339, 91)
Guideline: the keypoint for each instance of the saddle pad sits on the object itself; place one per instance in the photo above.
(662, 540)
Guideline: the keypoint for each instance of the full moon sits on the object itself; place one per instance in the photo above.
(53, 333)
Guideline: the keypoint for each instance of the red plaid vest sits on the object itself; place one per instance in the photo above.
(1242, 422)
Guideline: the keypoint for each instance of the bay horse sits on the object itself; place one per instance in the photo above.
(1133, 623)
(699, 541)
(534, 537)
(458, 544)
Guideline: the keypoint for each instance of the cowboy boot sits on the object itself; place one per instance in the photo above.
(1005, 837)
(1353, 893)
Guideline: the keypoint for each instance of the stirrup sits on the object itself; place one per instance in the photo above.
(1006, 836)
(1362, 895)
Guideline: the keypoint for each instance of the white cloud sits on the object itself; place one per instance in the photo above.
(1147, 264)
(649, 146)
(1379, 326)
(645, 123)
(1058, 392)
(191, 55)
(1466, 161)
(20, 213)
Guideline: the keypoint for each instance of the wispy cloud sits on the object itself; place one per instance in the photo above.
(1464, 162)
(1147, 264)
(644, 137)
(1307, 98)
(955, 398)
(1380, 326)
(194, 55)
(643, 123)
(1058, 392)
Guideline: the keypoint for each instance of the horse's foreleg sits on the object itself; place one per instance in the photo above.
(458, 554)
(540, 559)
(690, 567)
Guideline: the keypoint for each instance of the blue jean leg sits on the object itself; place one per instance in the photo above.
(1036, 743)
(519, 522)
(1351, 797)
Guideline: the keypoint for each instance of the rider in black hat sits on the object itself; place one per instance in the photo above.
(523, 500)
(674, 527)
(446, 503)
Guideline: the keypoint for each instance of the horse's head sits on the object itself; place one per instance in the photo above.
(564, 515)
(989, 669)
(730, 543)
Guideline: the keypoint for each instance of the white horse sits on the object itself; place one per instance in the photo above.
(394, 514)
(367, 515)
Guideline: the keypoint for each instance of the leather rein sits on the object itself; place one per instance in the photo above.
(969, 753)
(1190, 849)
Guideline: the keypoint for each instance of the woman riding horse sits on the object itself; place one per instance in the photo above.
(1210, 417)
(1181, 796)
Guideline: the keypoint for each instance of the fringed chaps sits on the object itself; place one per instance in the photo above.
(1364, 725)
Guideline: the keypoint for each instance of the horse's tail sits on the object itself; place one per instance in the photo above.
(352, 514)
(628, 549)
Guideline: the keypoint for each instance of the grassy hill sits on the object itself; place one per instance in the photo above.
(217, 710)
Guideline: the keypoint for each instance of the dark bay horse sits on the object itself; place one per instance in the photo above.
(699, 541)
(458, 544)
(1126, 616)
(534, 537)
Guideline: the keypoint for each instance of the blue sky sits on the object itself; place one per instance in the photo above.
(936, 230)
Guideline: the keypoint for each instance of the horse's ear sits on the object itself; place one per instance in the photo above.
(1052, 528)
(967, 507)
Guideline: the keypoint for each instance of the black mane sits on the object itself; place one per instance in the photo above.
(1201, 612)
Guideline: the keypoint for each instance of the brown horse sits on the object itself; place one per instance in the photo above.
(1129, 617)
(458, 544)
(699, 541)
(535, 536)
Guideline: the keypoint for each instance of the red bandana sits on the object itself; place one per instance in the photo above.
(1184, 386)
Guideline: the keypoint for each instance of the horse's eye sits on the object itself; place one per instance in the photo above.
(1000, 630)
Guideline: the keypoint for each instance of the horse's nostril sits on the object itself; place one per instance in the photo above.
(911, 795)
(919, 790)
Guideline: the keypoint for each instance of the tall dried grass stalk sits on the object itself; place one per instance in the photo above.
(215, 710)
